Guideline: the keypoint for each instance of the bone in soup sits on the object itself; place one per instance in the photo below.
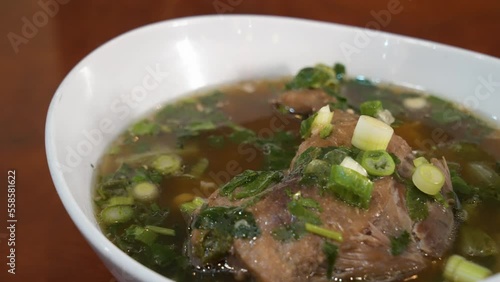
(317, 177)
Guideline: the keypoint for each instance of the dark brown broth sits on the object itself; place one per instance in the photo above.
(253, 111)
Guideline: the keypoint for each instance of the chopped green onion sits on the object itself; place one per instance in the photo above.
(420, 161)
(374, 109)
(371, 134)
(316, 171)
(244, 178)
(317, 167)
(120, 200)
(458, 269)
(330, 251)
(144, 127)
(199, 168)
(117, 214)
(475, 242)
(354, 165)
(428, 179)
(350, 186)
(322, 122)
(415, 103)
(145, 192)
(400, 243)
(326, 131)
(339, 70)
(318, 123)
(144, 235)
(385, 116)
(167, 164)
(378, 163)
(160, 230)
(306, 125)
(190, 207)
(334, 235)
(371, 108)
(416, 202)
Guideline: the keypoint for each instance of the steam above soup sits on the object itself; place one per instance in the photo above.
(312, 178)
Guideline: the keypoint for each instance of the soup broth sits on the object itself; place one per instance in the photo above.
(212, 137)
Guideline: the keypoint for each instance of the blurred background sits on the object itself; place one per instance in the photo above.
(43, 39)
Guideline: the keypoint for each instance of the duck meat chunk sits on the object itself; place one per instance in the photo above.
(304, 101)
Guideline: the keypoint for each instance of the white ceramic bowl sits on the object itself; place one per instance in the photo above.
(147, 67)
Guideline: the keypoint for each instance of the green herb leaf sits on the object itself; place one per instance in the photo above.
(485, 178)
(293, 231)
(316, 173)
(239, 180)
(327, 233)
(116, 183)
(143, 235)
(305, 209)
(416, 203)
(213, 245)
(371, 108)
(400, 243)
(189, 207)
(339, 70)
(151, 214)
(311, 78)
(279, 150)
(219, 226)
(144, 127)
(259, 184)
(216, 141)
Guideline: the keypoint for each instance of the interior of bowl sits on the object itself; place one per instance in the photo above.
(143, 69)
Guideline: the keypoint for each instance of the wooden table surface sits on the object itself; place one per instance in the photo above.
(35, 58)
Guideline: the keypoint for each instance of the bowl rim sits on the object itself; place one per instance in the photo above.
(94, 236)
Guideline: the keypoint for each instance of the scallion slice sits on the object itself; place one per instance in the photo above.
(120, 201)
(352, 164)
(190, 207)
(145, 192)
(428, 179)
(420, 161)
(371, 134)
(160, 230)
(117, 214)
(327, 233)
(322, 123)
(167, 164)
(378, 163)
(458, 269)
(350, 186)
(371, 108)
